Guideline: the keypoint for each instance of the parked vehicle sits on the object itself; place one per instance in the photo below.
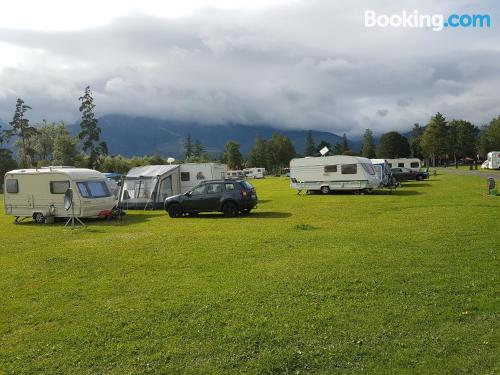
(410, 163)
(339, 172)
(40, 193)
(227, 196)
(147, 187)
(492, 160)
(255, 172)
(237, 174)
(405, 174)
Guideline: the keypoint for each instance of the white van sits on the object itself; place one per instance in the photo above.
(338, 172)
(39, 193)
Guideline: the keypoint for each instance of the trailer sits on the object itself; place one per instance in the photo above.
(492, 160)
(255, 172)
(411, 163)
(331, 173)
(40, 193)
(148, 186)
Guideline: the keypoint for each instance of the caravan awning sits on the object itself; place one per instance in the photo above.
(151, 170)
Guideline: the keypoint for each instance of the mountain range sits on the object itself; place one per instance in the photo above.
(129, 136)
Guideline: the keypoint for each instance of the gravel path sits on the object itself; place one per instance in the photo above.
(480, 173)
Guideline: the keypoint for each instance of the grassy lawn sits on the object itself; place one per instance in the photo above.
(401, 283)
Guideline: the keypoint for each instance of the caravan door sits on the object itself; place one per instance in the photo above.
(165, 189)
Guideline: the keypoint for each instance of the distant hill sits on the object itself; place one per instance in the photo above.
(129, 136)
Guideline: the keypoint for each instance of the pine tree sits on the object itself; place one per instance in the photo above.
(198, 150)
(368, 148)
(434, 140)
(309, 148)
(232, 155)
(23, 131)
(188, 147)
(90, 133)
(416, 140)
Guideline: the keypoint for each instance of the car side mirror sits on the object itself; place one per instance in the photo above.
(188, 194)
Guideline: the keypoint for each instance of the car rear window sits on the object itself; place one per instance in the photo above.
(229, 187)
(247, 185)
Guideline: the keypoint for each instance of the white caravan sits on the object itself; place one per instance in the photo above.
(410, 163)
(255, 172)
(339, 172)
(148, 186)
(237, 174)
(39, 193)
(492, 160)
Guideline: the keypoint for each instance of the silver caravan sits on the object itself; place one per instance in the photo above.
(339, 172)
(148, 186)
(255, 172)
(39, 193)
(410, 163)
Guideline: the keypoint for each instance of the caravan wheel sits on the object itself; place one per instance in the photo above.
(325, 189)
(39, 218)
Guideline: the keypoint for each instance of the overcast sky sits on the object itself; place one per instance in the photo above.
(297, 64)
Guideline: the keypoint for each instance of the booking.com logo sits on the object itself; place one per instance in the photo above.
(435, 21)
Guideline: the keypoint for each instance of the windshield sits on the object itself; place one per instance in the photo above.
(93, 189)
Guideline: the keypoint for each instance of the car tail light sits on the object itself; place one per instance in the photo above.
(244, 193)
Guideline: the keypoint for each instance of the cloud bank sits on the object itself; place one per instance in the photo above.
(305, 64)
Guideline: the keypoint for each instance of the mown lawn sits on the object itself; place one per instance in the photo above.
(401, 283)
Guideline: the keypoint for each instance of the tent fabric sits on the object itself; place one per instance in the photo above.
(151, 170)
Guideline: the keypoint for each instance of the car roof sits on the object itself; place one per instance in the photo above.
(222, 181)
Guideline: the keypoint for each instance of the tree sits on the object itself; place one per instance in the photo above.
(393, 145)
(341, 147)
(23, 131)
(280, 151)
(434, 140)
(198, 150)
(65, 150)
(257, 157)
(415, 141)
(90, 133)
(309, 148)
(188, 147)
(462, 137)
(368, 147)
(7, 163)
(232, 155)
(490, 137)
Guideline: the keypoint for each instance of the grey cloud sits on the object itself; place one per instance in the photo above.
(309, 64)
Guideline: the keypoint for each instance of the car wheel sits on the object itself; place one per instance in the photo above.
(230, 209)
(39, 218)
(419, 178)
(174, 211)
(325, 189)
(193, 213)
(246, 211)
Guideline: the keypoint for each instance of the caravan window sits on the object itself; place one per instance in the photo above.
(12, 186)
(185, 176)
(58, 187)
(368, 168)
(349, 168)
(330, 168)
(414, 164)
(401, 165)
(93, 189)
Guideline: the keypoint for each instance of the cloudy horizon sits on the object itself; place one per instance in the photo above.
(289, 64)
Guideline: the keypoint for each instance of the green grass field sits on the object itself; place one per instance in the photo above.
(401, 283)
